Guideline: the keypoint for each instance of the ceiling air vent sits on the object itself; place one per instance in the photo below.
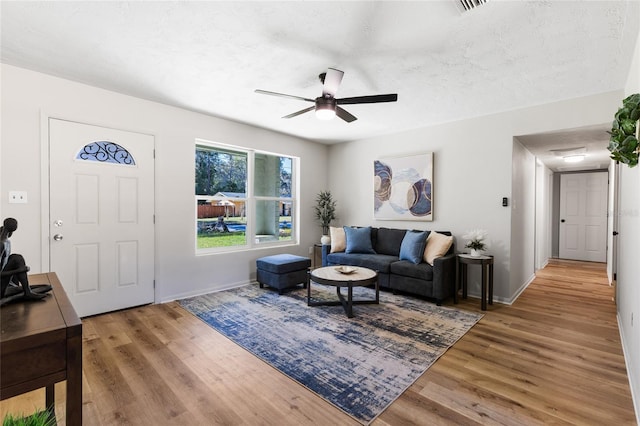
(466, 5)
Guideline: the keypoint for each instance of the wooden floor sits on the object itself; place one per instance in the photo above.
(553, 357)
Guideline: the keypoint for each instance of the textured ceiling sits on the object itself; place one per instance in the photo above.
(445, 65)
(552, 147)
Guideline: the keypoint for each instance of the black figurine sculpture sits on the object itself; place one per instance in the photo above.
(13, 275)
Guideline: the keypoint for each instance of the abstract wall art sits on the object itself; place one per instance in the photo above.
(403, 187)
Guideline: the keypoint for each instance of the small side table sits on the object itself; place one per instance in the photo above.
(317, 256)
(486, 264)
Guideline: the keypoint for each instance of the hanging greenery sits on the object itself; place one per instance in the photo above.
(325, 210)
(623, 143)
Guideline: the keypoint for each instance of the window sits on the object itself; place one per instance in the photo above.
(105, 152)
(244, 198)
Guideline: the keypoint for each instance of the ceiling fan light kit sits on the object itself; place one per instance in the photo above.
(326, 106)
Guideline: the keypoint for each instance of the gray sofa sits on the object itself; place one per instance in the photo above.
(434, 282)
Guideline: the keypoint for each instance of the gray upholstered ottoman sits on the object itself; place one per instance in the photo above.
(283, 271)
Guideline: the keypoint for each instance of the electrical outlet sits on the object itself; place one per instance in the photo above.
(310, 250)
(17, 197)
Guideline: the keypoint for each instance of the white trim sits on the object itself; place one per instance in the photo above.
(511, 300)
(45, 261)
(45, 216)
(630, 372)
(520, 290)
(207, 290)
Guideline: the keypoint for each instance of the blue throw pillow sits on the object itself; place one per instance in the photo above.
(359, 240)
(413, 244)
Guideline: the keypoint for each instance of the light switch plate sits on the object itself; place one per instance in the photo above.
(17, 197)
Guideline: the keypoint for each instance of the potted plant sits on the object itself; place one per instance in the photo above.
(475, 241)
(623, 143)
(325, 213)
(39, 418)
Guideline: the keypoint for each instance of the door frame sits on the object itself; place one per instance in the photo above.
(612, 237)
(560, 175)
(45, 169)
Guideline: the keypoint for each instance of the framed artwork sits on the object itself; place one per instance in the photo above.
(403, 187)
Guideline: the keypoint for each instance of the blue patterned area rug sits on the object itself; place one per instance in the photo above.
(360, 365)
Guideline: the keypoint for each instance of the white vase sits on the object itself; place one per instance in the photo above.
(475, 253)
(325, 240)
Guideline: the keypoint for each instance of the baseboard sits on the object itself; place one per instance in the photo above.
(207, 290)
(522, 288)
(507, 301)
(635, 396)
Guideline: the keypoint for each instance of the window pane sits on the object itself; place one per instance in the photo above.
(272, 176)
(221, 224)
(220, 171)
(106, 152)
(273, 221)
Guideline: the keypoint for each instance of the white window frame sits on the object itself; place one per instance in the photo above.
(250, 201)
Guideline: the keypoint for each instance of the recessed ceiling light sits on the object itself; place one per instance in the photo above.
(564, 152)
(573, 158)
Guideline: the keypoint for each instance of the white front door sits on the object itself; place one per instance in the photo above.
(583, 216)
(101, 230)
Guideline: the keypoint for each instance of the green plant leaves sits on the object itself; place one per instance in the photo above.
(623, 143)
(325, 208)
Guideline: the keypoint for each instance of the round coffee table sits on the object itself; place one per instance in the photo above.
(357, 277)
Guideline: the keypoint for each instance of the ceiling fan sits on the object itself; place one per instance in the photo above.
(327, 105)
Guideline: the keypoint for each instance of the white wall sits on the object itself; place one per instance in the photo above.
(472, 172)
(523, 218)
(179, 272)
(544, 194)
(628, 283)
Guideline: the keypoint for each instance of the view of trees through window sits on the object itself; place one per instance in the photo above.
(237, 207)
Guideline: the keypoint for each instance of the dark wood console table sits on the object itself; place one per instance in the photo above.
(41, 345)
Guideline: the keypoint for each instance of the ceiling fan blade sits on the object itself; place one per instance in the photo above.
(332, 81)
(342, 113)
(392, 97)
(282, 95)
(302, 111)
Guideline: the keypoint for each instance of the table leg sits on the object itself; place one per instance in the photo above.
(50, 398)
(456, 281)
(464, 280)
(491, 284)
(483, 295)
(350, 302)
(308, 288)
(74, 381)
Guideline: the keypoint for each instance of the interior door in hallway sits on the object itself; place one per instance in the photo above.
(101, 230)
(583, 216)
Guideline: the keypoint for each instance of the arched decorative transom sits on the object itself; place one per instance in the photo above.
(106, 152)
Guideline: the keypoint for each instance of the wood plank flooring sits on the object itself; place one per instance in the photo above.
(553, 357)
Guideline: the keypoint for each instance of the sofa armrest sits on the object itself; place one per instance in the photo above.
(326, 249)
(444, 276)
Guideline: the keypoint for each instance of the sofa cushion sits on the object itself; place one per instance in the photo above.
(338, 239)
(412, 247)
(437, 246)
(388, 241)
(358, 240)
(422, 271)
(378, 262)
